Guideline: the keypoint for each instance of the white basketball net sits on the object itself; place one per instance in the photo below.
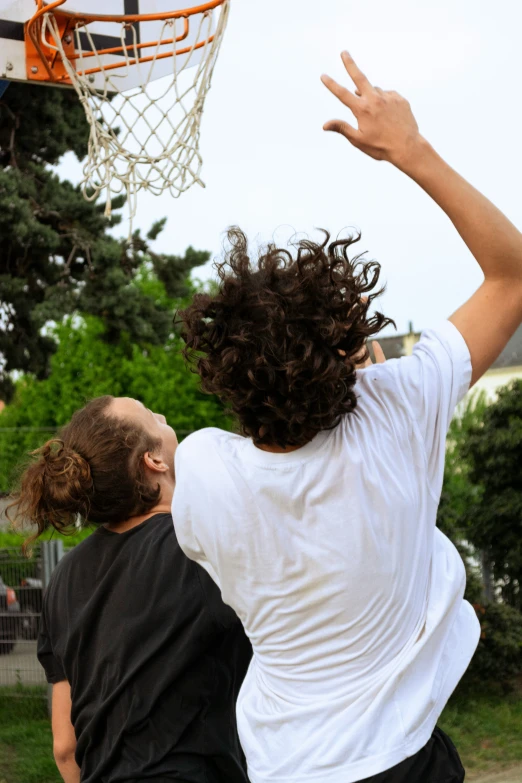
(147, 137)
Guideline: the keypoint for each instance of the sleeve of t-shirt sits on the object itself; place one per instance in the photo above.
(182, 504)
(432, 382)
(52, 666)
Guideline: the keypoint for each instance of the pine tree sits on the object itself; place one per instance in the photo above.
(56, 255)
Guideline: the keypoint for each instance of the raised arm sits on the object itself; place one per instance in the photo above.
(387, 130)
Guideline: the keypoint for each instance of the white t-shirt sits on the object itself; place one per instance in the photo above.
(351, 597)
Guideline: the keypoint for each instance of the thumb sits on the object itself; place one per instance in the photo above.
(380, 358)
(342, 127)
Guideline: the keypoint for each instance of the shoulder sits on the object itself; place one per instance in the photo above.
(73, 555)
(205, 443)
(207, 435)
(438, 349)
(67, 567)
(202, 461)
(444, 336)
(77, 552)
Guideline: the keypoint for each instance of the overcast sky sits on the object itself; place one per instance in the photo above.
(270, 168)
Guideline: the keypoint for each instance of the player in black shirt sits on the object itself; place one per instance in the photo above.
(145, 659)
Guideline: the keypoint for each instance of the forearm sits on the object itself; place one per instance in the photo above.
(64, 737)
(68, 768)
(492, 239)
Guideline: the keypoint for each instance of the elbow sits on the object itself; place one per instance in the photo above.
(506, 287)
(63, 753)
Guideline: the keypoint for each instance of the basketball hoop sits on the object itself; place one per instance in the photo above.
(143, 97)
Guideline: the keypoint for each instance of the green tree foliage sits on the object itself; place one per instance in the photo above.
(56, 255)
(85, 366)
(481, 468)
(459, 492)
(493, 518)
(498, 659)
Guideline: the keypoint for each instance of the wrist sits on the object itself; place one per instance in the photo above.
(413, 156)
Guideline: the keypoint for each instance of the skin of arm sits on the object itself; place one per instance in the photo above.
(387, 130)
(64, 738)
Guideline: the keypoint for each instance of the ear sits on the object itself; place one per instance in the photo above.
(155, 463)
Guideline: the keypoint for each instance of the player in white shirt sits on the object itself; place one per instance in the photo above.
(318, 521)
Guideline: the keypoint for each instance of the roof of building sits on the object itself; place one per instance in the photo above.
(393, 346)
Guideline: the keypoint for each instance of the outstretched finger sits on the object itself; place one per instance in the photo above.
(380, 358)
(344, 95)
(356, 75)
(344, 128)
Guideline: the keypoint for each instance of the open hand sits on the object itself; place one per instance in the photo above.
(380, 358)
(387, 129)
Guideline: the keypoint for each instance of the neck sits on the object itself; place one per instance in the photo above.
(122, 527)
(163, 506)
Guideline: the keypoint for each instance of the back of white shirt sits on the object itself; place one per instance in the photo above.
(329, 555)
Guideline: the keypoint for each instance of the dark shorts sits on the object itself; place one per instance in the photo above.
(436, 762)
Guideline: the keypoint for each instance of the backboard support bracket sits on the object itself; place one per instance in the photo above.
(48, 66)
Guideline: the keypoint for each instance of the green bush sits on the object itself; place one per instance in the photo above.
(498, 659)
(10, 539)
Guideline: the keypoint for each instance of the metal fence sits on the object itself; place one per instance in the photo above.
(22, 583)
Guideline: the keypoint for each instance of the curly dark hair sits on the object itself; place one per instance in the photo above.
(267, 341)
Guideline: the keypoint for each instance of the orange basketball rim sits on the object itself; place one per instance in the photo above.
(45, 64)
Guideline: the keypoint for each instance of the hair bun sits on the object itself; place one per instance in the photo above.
(67, 478)
(55, 489)
(62, 461)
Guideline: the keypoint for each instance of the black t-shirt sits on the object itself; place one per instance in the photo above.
(154, 658)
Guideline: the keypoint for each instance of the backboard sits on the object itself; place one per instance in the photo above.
(16, 63)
